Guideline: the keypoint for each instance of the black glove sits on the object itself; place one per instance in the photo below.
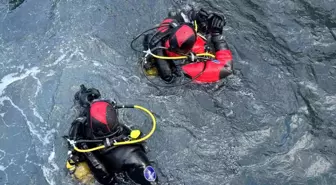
(216, 23)
(201, 18)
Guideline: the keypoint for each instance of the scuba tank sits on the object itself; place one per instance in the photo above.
(79, 168)
(148, 62)
(81, 172)
(93, 160)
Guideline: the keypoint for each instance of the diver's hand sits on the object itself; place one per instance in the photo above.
(216, 23)
(201, 17)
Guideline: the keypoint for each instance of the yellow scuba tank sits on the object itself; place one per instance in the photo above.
(81, 172)
(151, 71)
(148, 67)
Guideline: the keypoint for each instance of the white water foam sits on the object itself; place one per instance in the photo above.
(49, 172)
(2, 154)
(30, 125)
(58, 60)
(13, 77)
(38, 115)
(35, 112)
(305, 142)
(39, 85)
(331, 101)
(3, 168)
(50, 73)
(43, 137)
(318, 167)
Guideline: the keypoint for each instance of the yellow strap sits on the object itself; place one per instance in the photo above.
(196, 27)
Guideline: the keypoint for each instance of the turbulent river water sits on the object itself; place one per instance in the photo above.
(272, 122)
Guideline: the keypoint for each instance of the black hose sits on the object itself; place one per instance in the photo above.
(141, 34)
(125, 106)
(72, 134)
(70, 130)
(110, 135)
(89, 141)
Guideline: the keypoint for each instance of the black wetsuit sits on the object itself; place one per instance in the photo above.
(129, 160)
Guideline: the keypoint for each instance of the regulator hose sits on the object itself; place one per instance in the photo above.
(118, 143)
(145, 137)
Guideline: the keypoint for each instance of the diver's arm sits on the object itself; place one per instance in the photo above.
(98, 170)
(219, 42)
(96, 167)
(76, 129)
(223, 53)
(101, 176)
(74, 134)
(163, 67)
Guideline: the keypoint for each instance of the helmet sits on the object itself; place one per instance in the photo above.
(182, 39)
(103, 118)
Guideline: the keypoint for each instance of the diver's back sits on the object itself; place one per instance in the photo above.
(120, 158)
(131, 159)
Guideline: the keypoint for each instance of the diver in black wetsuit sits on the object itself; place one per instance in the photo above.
(98, 123)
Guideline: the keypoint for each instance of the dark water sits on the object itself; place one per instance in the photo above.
(273, 122)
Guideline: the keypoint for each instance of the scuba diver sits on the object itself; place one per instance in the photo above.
(182, 39)
(102, 148)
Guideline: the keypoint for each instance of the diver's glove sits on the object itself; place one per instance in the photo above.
(216, 23)
(201, 18)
